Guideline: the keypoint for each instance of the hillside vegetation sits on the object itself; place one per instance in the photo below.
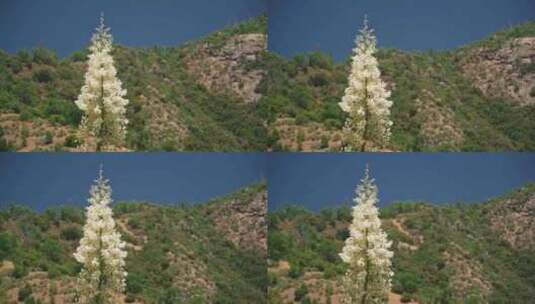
(226, 92)
(480, 97)
(464, 253)
(176, 254)
(169, 109)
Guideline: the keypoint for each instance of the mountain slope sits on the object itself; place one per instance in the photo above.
(175, 254)
(170, 107)
(225, 92)
(476, 98)
(480, 253)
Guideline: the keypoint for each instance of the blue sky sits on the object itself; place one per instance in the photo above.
(66, 25)
(322, 180)
(40, 180)
(297, 26)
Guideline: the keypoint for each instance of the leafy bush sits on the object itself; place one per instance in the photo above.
(7, 245)
(60, 111)
(43, 75)
(295, 271)
(301, 292)
(72, 141)
(78, 56)
(48, 138)
(71, 233)
(24, 293)
(44, 56)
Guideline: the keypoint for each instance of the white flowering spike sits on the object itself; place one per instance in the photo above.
(366, 250)
(366, 98)
(101, 251)
(102, 98)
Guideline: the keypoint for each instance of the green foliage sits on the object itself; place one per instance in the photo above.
(44, 56)
(310, 86)
(306, 240)
(178, 239)
(60, 111)
(7, 244)
(253, 25)
(212, 121)
(72, 141)
(48, 138)
(79, 56)
(307, 88)
(43, 75)
(24, 293)
(301, 292)
(71, 233)
(526, 29)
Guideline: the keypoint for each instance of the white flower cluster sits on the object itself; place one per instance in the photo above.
(367, 250)
(366, 98)
(101, 250)
(102, 98)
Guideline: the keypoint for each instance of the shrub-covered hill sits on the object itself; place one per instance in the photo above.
(172, 103)
(480, 97)
(176, 254)
(225, 92)
(465, 253)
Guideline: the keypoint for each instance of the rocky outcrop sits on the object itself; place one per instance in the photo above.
(507, 72)
(243, 221)
(229, 67)
(164, 124)
(467, 277)
(514, 219)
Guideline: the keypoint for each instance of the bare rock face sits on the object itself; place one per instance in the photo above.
(514, 219)
(230, 67)
(507, 72)
(468, 274)
(243, 222)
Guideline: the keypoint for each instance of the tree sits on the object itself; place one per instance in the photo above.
(102, 98)
(101, 251)
(366, 98)
(366, 250)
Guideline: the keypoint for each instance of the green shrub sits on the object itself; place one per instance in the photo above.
(44, 56)
(72, 141)
(134, 283)
(52, 249)
(24, 293)
(7, 245)
(405, 298)
(79, 56)
(73, 215)
(61, 111)
(71, 233)
(48, 138)
(295, 271)
(301, 292)
(320, 60)
(25, 58)
(324, 142)
(319, 80)
(43, 75)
